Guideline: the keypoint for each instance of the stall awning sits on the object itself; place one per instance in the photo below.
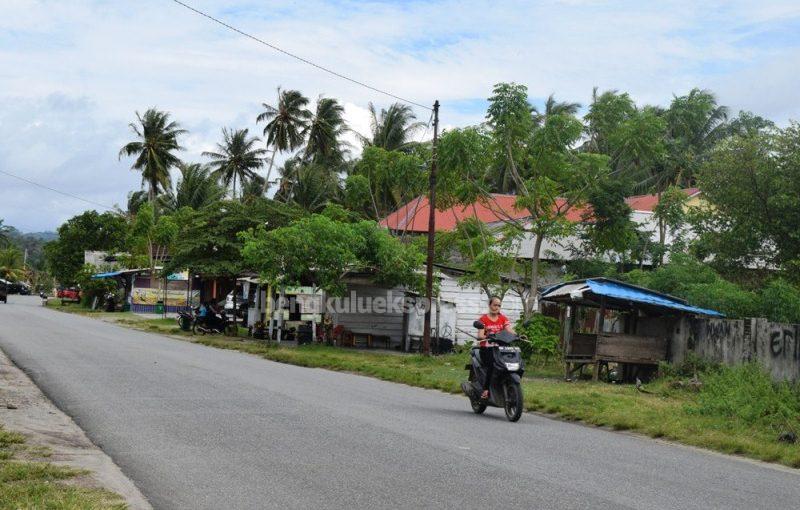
(111, 274)
(619, 295)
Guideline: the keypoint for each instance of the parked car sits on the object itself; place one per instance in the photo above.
(3, 291)
(69, 294)
(19, 288)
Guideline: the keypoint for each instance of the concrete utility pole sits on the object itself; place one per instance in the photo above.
(426, 335)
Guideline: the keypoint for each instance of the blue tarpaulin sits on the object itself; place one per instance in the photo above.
(106, 275)
(605, 287)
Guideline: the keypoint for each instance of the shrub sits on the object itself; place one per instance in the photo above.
(780, 301)
(542, 334)
(747, 393)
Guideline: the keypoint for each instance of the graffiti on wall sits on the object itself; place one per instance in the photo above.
(782, 343)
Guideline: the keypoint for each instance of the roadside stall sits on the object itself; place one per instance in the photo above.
(607, 321)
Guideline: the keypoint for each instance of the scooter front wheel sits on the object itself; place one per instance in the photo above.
(513, 406)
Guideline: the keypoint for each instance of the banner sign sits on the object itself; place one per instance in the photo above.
(147, 296)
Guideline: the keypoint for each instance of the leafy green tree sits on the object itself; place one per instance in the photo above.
(391, 128)
(325, 131)
(511, 122)
(87, 231)
(196, 188)
(753, 187)
(287, 124)
(553, 108)
(236, 158)
(321, 251)
(394, 178)
(207, 241)
(748, 124)
(154, 150)
(550, 177)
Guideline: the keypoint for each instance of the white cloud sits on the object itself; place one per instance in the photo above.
(73, 73)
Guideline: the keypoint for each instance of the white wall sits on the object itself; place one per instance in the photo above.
(471, 302)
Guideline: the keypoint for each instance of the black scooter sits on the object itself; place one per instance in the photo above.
(210, 325)
(505, 390)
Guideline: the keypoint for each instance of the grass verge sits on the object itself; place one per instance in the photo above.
(732, 410)
(26, 481)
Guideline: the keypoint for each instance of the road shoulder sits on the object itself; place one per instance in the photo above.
(25, 409)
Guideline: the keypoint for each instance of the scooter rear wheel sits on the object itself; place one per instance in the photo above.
(514, 404)
(478, 407)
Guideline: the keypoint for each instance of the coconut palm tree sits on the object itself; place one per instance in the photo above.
(11, 264)
(553, 107)
(324, 133)
(392, 128)
(154, 150)
(237, 157)
(286, 124)
(196, 189)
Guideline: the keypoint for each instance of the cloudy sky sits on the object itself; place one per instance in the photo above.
(74, 72)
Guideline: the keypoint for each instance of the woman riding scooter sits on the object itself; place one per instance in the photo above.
(494, 322)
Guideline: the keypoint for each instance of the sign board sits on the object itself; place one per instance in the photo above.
(149, 296)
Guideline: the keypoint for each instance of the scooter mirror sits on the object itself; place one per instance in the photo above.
(478, 325)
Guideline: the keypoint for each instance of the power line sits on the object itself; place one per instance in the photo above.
(297, 57)
(58, 191)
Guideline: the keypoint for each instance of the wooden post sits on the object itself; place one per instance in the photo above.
(600, 322)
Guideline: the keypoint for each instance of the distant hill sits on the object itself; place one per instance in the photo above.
(42, 236)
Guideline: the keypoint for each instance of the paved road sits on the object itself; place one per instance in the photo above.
(196, 427)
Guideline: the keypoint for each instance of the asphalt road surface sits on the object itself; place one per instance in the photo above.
(197, 427)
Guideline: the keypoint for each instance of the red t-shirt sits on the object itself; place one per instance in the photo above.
(494, 326)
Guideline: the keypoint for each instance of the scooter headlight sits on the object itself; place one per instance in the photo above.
(512, 366)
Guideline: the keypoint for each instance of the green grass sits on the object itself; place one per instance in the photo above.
(737, 411)
(36, 484)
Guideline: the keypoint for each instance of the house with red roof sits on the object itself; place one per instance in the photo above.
(412, 218)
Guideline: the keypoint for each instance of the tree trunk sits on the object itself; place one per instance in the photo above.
(234, 185)
(269, 172)
(532, 302)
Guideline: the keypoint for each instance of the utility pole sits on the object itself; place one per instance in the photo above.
(426, 335)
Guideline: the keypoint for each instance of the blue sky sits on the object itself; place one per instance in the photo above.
(72, 73)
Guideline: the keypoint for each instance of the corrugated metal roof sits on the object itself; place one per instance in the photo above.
(613, 289)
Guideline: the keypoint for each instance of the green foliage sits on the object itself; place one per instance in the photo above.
(748, 394)
(541, 332)
(780, 301)
(94, 288)
(236, 158)
(157, 140)
(393, 179)
(207, 240)
(753, 187)
(11, 264)
(321, 251)
(87, 231)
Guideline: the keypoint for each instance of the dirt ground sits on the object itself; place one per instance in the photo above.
(24, 409)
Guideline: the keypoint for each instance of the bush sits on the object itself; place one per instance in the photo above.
(780, 301)
(747, 393)
(94, 288)
(542, 334)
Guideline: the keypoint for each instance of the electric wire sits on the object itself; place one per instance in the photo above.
(301, 59)
(58, 191)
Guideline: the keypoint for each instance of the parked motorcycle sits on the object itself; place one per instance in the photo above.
(211, 325)
(505, 390)
(185, 319)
